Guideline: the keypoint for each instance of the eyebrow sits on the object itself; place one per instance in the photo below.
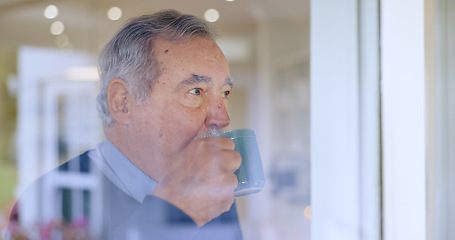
(229, 82)
(196, 79)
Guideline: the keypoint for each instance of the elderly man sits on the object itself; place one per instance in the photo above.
(165, 85)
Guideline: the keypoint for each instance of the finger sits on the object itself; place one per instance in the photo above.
(229, 160)
(234, 180)
(232, 160)
(228, 143)
(221, 142)
(222, 162)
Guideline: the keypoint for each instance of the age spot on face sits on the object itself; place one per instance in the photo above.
(166, 51)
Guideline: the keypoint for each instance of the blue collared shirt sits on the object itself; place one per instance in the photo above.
(122, 172)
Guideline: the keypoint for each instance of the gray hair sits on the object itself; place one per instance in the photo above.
(129, 55)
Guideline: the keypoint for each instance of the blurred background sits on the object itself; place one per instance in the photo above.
(381, 100)
(48, 84)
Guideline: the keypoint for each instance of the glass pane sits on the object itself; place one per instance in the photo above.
(49, 84)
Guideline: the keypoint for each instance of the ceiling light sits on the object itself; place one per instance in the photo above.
(230, 0)
(211, 15)
(62, 40)
(51, 11)
(114, 13)
(57, 28)
(67, 49)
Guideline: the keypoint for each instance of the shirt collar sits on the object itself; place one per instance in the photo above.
(124, 174)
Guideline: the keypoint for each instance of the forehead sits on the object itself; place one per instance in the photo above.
(200, 55)
(163, 46)
(187, 64)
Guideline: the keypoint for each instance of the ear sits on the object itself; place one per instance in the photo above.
(119, 101)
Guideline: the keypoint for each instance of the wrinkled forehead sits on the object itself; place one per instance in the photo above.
(197, 59)
(192, 49)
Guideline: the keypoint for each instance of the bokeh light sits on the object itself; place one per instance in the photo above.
(62, 40)
(114, 13)
(57, 28)
(211, 15)
(51, 12)
(307, 212)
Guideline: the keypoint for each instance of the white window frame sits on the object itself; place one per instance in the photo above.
(368, 119)
(345, 120)
(403, 113)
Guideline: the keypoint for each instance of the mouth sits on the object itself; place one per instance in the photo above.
(211, 132)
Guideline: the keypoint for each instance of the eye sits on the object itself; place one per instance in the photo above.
(194, 97)
(196, 91)
(225, 94)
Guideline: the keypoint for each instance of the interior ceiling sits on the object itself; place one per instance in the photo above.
(86, 25)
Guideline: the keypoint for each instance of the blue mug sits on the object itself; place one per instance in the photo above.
(250, 173)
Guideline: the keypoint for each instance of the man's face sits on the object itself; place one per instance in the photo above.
(188, 99)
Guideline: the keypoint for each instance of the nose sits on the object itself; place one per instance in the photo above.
(217, 114)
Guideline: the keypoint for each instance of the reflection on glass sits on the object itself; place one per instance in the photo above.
(269, 64)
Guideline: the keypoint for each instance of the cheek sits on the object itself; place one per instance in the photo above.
(186, 125)
(191, 101)
(170, 124)
(192, 118)
(144, 128)
(146, 120)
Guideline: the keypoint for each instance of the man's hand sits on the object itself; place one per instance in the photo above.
(200, 179)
